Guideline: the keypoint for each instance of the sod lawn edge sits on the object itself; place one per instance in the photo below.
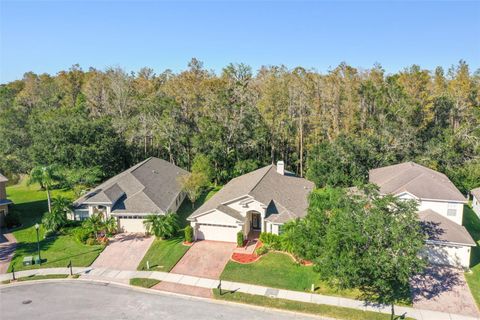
(304, 307)
(40, 277)
(144, 282)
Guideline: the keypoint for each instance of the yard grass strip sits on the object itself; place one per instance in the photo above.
(472, 223)
(163, 255)
(304, 307)
(40, 277)
(144, 282)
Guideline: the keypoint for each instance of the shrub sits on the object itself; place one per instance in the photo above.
(271, 240)
(240, 239)
(82, 235)
(91, 241)
(188, 233)
(50, 234)
(12, 219)
(262, 250)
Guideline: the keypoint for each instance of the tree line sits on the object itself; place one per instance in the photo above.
(330, 127)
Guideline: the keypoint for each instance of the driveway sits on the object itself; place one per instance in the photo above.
(8, 244)
(443, 289)
(205, 259)
(124, 252)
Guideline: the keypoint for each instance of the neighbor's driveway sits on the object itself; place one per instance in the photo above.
(8, 244)
(443, 289)
(205, 259)
(124, 252)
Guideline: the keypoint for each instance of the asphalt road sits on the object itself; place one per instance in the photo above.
(89, 300)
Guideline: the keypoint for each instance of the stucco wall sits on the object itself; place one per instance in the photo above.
(476, 206)
(458, 256)
(217, 217)
(442, 207)
(3, 192)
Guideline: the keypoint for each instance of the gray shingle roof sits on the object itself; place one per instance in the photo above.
(439, 228)
(476, 193)
(265, 185)
(418, 180)
(150, 186)
(3, 178)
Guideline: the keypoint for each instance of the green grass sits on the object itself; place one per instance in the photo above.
(163, 254)
(278, 270)
(472, 223)
(312, 308)
(39, 277)
(30, 203)
(143, 282)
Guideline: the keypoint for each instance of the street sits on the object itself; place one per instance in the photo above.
(90, 300)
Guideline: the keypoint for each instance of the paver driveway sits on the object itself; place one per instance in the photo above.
(205, 259)
(443, 289)
(124, 252)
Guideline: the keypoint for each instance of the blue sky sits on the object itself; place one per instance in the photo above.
(50, 36)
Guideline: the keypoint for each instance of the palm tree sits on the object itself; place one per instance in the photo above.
(46, 176)
(162, 226)
(57, 217)
(111, 225)
(94, 223)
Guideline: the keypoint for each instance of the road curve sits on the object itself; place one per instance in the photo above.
(94, 300)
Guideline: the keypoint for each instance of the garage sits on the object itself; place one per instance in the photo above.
(216, 232)
(448, 254)
(131, 224)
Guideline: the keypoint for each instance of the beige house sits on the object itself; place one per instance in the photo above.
(440, 209)
(150, 187)
(4, 202)
(476, 200)
(262, 200)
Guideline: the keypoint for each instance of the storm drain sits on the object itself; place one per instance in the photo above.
(272, 293)
(26, 301)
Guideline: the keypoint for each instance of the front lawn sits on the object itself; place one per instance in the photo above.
(163, 255)
(278, 270)
(30, 203)
(472, 223)
(312, 308)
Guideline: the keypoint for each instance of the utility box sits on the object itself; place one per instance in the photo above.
(28, 261)
(37, 260)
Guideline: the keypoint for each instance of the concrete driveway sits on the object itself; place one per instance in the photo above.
(443, 289)
(124, 252)
(205, 259)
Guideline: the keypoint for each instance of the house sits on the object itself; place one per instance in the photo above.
(262, 200)
(4, 202)
(440, 209)
(476, 200)
(150, 187)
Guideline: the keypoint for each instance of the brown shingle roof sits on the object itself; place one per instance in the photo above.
(439, 228)
(265, 185)
(418, 180)
(3, 178)
(150, 186)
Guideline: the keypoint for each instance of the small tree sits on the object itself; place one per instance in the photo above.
(192, 185)
(162, 226)
(94, 223)
(111, 225)
(240, 239)
(80, 179)
(188, 231)
(57, 217)
(202, 164)
(46, 176)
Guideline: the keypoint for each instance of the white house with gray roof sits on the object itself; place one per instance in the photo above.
(476, 200)
(262, 200)
(150, 187)
(440, 209)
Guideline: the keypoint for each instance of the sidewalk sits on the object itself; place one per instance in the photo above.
(123, 277)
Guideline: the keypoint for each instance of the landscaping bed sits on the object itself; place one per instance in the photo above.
(312, 308)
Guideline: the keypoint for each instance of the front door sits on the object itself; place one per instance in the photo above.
(256, 221)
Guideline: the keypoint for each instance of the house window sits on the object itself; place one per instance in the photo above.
(451, 210)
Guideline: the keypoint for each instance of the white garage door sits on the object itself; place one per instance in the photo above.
(449, 255)
(217, 232)
(131, 224)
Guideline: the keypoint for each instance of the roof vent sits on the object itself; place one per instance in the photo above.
(281, 167)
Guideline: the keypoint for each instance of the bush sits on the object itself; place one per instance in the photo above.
(271, 240)
(12, 219)
(262, 250)
(240, 239)
(91, 241)
(50, 234)
(82, 235)
(188, 233)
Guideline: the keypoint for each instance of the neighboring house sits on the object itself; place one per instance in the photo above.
(262, 200)
(4, 202)
(476, 200)
(150, 187)
(440, 206)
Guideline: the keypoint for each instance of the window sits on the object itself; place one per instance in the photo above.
(451, 210)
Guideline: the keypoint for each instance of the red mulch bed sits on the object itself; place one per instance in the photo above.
(188, 244)
(306, 263)
(247, 258)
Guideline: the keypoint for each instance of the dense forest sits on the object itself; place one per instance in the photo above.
(330, 127)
